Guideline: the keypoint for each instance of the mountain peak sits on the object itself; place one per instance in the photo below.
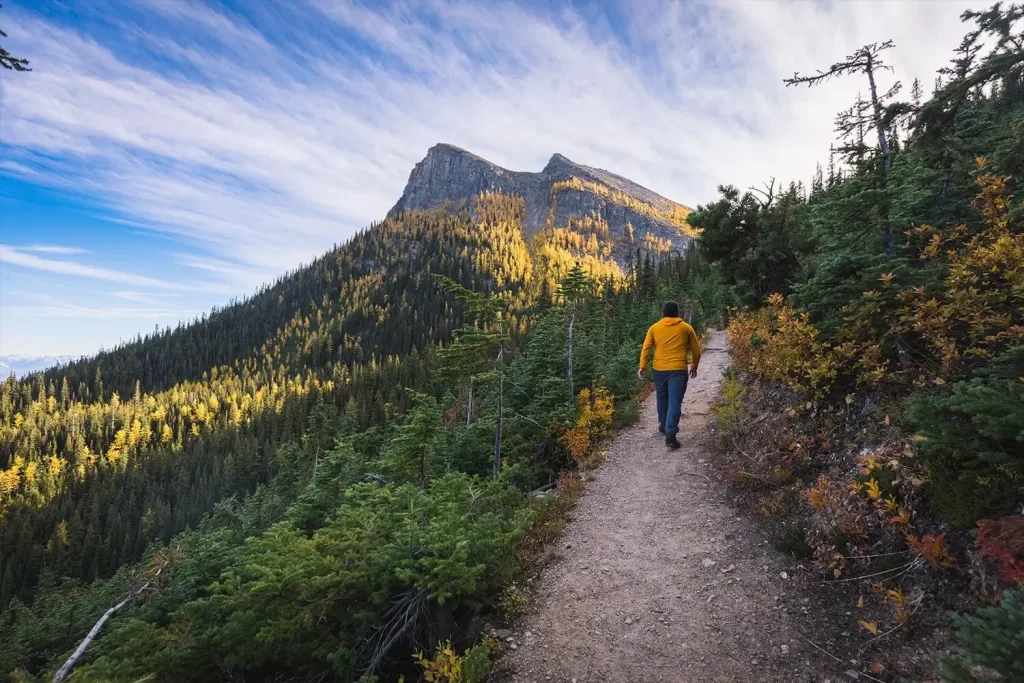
(451, 174)
(448, 149)
(561, 165)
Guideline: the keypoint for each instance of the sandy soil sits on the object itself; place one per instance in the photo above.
(656, 578)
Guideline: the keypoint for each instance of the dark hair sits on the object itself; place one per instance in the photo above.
(670, 309)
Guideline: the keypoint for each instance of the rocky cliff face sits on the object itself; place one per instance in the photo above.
(559, 192)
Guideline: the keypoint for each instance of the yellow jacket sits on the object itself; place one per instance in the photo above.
(671, 339)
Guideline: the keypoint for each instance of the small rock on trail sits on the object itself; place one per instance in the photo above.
(638, 521)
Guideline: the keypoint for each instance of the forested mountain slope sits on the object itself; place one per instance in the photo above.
(94, 468)
(236, 414)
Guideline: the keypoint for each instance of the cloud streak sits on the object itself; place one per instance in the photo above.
(53, 249)
(67, 310)
(17, 256)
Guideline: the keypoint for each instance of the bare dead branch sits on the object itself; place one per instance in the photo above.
(160, 562)
(916, 562)
(865, 57)
(768, 193)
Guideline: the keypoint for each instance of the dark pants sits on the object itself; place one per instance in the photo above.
(670, 386)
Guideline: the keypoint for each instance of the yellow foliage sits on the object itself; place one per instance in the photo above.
(902, 517)
(818, 497)
(116, 452)
(896, 598)
(445, 667)
(558, 250)
(869, 463)
(54, 465)
(9, 480)
(656, 245)
(61, 534)
(594, 411)
(869, 626)
(980, 310)
(729, 408)
(781, 345)
(671, 213)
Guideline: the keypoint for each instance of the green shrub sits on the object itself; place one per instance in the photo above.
(513, 601)
(288, 602)
(973, 441)
(790, 537)
(626, 413)
(729, 410)
(991, 644)
(476, 664)
(620, 371)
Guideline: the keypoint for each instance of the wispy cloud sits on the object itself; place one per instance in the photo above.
(232, 276)
(16, 256)
(142, 297)
(67, 310)
(53, 249)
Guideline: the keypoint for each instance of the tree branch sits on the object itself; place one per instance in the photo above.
(161, 562)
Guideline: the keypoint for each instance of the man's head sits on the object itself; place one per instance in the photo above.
(670, 309)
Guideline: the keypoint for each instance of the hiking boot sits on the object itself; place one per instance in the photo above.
(661, 429)
(672, 442)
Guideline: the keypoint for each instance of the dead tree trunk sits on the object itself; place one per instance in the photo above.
(884, 148)
(497, 427)
(423, 466)
(64, 670)
(501, 396)
(152, 585)
(876, 113)
(572, 320)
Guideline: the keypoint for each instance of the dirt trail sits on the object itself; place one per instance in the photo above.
(632, 596)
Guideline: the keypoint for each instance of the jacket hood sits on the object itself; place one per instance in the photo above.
(671, 321)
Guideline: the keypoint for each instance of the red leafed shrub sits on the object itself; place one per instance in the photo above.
(1001, 541)
(932, 549)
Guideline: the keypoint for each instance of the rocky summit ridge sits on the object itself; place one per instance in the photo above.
(562, 189)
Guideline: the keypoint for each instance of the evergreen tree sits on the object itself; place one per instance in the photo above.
(878, 113)
(10, 62)
(414, 450)
(992, 641)
(481, 345)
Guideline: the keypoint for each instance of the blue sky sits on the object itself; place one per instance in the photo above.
(163, 157)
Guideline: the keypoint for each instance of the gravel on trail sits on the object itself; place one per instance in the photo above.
(656, 578)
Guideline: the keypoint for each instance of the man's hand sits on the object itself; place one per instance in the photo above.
(640, 373)
(693, 372)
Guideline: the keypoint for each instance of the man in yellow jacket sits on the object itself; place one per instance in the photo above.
(671, 339)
